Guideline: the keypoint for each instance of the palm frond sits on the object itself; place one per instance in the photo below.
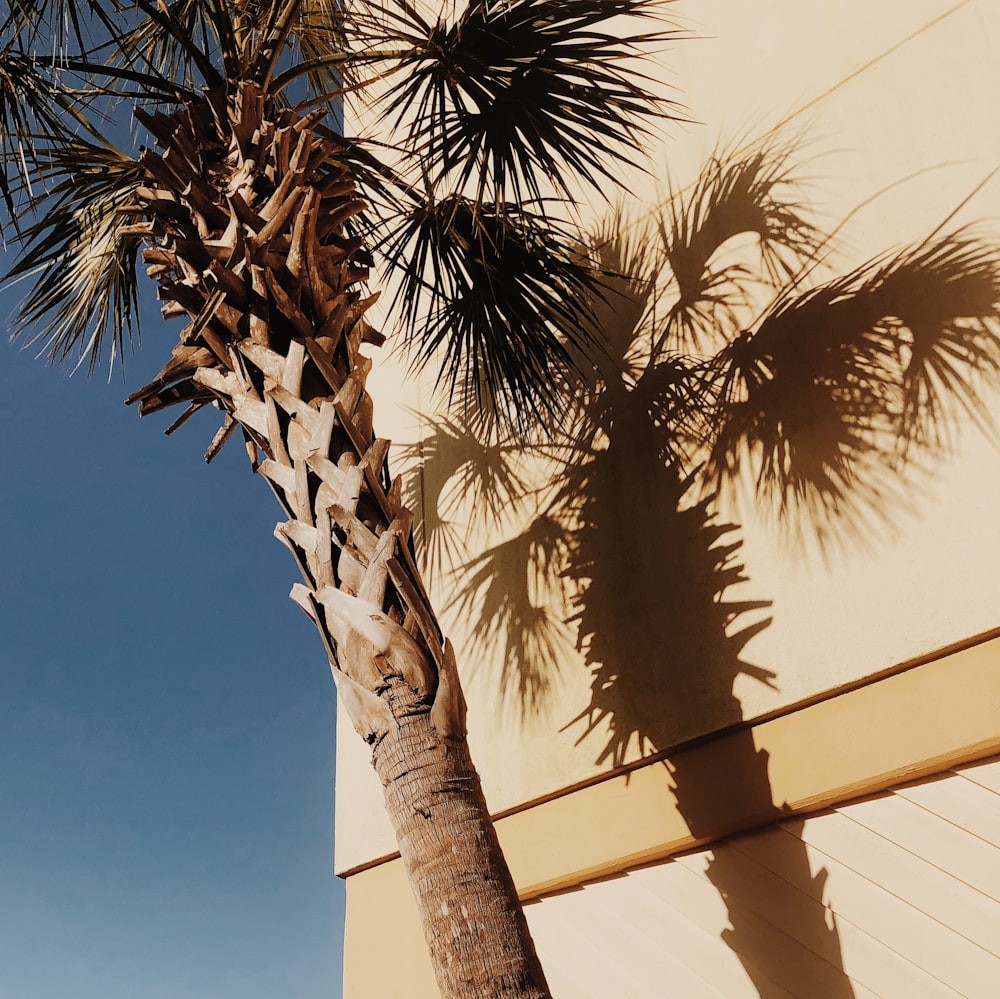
(504, 292)
(513, 95)
(325, 53)
(341, 47)
(152, 40)
(58, 24)
(80, 255)
(34, 112)
(273, 23)
(891, 352)
(178, 40)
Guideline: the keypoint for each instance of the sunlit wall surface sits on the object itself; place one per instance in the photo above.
(606, 611)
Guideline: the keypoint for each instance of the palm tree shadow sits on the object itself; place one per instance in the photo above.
(652, 612)
(680, 634)
(830, 402)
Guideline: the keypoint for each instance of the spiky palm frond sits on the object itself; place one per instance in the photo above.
(891, 349)
(80, 254)
(320, 32)
(736, 194)
(506, 289)
(33, 112)
(504, 292)
(60, 23)
(152, 40)
(515, 95)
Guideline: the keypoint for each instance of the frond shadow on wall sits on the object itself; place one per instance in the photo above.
(823, 405)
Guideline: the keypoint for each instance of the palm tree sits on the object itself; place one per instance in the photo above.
(258, 219)
(735, 358)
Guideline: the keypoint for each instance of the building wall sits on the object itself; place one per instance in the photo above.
(897, 100)
(892, 106)
(873, 868)
(895, 895)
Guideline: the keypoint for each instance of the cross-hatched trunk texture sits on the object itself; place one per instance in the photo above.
(450, 849)
(247, 218)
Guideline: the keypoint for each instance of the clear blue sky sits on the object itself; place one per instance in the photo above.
(166, 713)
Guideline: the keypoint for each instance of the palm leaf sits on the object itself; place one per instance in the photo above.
(320, 31)
(503, 293)
(80, 255)
(59, 24)
(33, 113)
(179, 39)
(153, 39)
(515, 95)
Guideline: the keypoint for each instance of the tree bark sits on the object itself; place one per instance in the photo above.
(245, 216)
(450, 850)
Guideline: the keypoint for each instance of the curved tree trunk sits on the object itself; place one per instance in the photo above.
(451, 853)
(245, 213)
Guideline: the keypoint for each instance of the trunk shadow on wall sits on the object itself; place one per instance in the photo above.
(665, 646)
(664, 659)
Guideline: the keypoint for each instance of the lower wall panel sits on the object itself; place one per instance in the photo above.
(829, 907)
(896, 895)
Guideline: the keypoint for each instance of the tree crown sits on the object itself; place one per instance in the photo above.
(491, 118)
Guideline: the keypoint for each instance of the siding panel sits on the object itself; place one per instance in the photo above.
(896, 898)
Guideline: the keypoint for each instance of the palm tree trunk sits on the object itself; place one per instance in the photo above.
(246, 211)
(447, 841)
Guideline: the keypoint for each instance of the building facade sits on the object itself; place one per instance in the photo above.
(786, 783)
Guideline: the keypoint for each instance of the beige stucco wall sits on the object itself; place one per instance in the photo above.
(898, 101)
